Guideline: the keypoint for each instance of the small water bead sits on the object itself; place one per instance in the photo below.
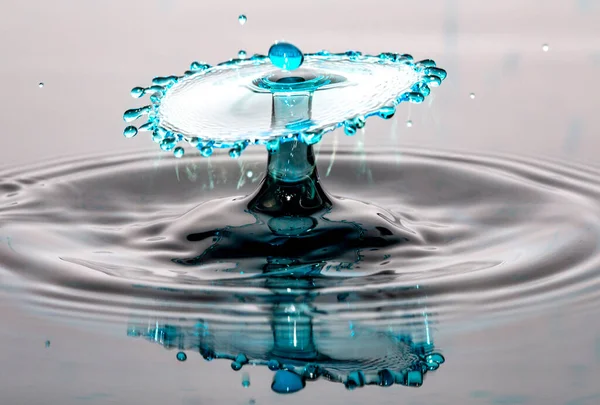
(181, 356)
(196, 66)
(137, 92)
(245, 380)
(235, 152)
(242, 54)
(387, 112)
(135, 113)
(194, 141)
(242, 19)
(545, 48)
(287, 382)
(206, 151)
(273, 365)
(47, 343)
(249, 174)
(409, 124)
(472, 96)
(178, 152)
(286, 56)
(130, 131)
(386, 378)
(41, 84)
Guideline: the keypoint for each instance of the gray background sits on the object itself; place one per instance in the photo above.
(90, 53)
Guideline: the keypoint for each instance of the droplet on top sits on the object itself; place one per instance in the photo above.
(242, 19)
(286, 56)
(181, 356)
(545, 48)
(41, 84)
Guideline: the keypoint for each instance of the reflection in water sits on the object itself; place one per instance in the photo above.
(300, 346)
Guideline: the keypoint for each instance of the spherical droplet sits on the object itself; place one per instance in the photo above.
(472, 96)
(181, 356)
(242, 54)
(178, 152)
(545, 48)
(206, 151)
(130, 131)
(286, 56)
(41, 84)
(242, 19)
(249, 174)
(47, 343)
(409, 124)
(273, 365)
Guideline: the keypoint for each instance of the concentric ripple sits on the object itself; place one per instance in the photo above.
(95, 237)
(229, 105)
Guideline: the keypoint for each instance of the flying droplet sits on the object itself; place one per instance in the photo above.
(242, 19)
(130, 131)
(286, 56)
(181, 356)
(178, 152)
(47, 343)
(242, 54)
(472, 95)
(41, 84)
(249, 174)
(137, 92)
(409, 124)
(245, 380)
(545, 48)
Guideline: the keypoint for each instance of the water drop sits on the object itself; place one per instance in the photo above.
(472, 96)
(130, 131)
(545, 48)
(208, 355)
(235, 152)
(41, 84)
(235, 365)
(274, 365)
(137, 92)
(245, 380)
(409, 124)
(286, 56)
(242, 54)
(414, 378)
(242, 19)
(387, 112)
(47, 343)
(181, 356)
(135, 113)
(194, 141)
(178, 152)
(206, 151)
(287, 382)
(386, 378)
(249, 174)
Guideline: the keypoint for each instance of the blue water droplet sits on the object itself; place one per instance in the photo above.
(135, 113)
(355, 379)
(242, 19)
(178, 152)
(130, 131)
(435, 71)
(415, 97)
(349, 128)
(387, 112)
(41, 84)
(181, 356)
(414, 378)
(242, 54)
(137, 92)
(196, 66)
(359, 122)
(286, 56)
(194, 141)
(206, 151)
(273, 364)
(245, 380)
(433, 81)
(386, 378)
(235, 152)
(235, 365)
(47, 343)
(435, 358)
(208, 355)
(287, 382)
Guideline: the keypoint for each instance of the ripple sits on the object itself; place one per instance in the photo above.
(93, 237)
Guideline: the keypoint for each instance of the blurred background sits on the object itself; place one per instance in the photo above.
(522, 79)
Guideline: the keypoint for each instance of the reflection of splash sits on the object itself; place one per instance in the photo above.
(300, 348)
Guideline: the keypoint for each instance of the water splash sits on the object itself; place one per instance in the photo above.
(224, 106)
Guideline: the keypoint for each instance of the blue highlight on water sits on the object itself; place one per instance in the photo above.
(181, 356)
